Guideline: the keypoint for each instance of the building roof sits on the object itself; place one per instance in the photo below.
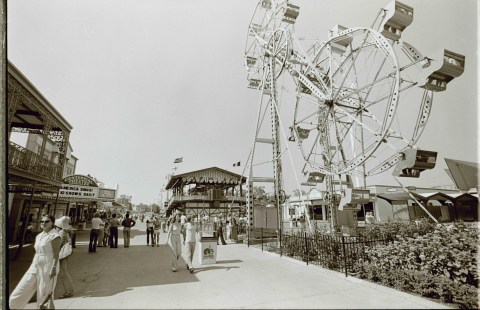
(463, 173)
(208, 176)
(32, 119)
(441, 196)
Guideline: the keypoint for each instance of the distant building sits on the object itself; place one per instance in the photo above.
(446, 204)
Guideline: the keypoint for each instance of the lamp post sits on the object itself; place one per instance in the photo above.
(161, 198)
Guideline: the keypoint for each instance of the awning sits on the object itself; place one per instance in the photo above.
(427, 196)
(394, 196)
(463, 173)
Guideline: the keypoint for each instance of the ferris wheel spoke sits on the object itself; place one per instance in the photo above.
(353, 55)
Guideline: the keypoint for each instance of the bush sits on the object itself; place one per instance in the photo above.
(437, 261)
(395, 228)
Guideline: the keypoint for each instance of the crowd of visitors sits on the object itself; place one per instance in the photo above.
(48, 264)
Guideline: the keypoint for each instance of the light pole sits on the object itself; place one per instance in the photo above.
(161, 198)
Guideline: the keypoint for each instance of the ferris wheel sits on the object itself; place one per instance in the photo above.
(362, 98)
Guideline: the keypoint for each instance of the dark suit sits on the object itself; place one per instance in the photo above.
(220, 234)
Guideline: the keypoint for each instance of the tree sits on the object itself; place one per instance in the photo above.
(125, 201)
(258, 192)
(155, 208)
(141, 207)
(297, 193)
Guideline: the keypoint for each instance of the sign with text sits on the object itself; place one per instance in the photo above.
(78, 191)
(106, 193)
(78, 179)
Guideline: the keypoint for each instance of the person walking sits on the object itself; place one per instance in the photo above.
(113, 231)
(156, 230)
(101, 232)
(127, 224)
(191, 230)
(183, 221)
(228, 230)
(220, 233)
(94, 233)
(106, 235)
(163, 224)
(41, 276)
(62, 225)
(149, 223)
(174, 240)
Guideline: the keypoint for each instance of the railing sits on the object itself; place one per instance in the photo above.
(338, 253)
(205, 198)
(20, 157)
(189, 197)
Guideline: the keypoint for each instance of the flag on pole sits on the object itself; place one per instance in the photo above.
(236, 164)
(178, 160)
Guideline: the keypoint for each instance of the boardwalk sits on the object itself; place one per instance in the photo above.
(139, 277)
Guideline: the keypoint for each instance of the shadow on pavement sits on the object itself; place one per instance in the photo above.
(200, 269)
(230, 261)
(111, 271)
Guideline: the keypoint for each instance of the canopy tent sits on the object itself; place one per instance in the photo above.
(453, 197)
(464, 174)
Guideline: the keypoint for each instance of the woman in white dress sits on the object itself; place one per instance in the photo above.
(191, 230)
(41, 276)
(174, 240)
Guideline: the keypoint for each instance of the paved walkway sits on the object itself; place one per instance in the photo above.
(140, 277)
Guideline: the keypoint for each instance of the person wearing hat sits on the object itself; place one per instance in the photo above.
(63, 228)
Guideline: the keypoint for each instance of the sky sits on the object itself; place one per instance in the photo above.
(144, 82)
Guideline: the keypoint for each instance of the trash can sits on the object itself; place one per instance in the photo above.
(208, 250)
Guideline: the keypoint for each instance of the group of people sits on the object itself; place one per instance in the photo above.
(104, 232)
(41, 276)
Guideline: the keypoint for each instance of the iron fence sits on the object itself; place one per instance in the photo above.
(338, 253)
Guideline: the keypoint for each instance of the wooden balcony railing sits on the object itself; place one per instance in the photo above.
(20, 157)
(206, 198)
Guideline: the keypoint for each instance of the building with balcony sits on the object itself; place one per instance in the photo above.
(211, 192)
(34, 175)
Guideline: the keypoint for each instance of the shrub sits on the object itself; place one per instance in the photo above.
(437, 261)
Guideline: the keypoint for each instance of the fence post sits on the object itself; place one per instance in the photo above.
(261, 234)
(344, 255)
(306, 247)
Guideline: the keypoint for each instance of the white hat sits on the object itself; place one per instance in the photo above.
(63, 222)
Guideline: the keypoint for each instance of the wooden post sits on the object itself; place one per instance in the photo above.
(56, 201)
(24, 228)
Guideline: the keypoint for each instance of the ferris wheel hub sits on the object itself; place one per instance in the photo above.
(329, 103)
